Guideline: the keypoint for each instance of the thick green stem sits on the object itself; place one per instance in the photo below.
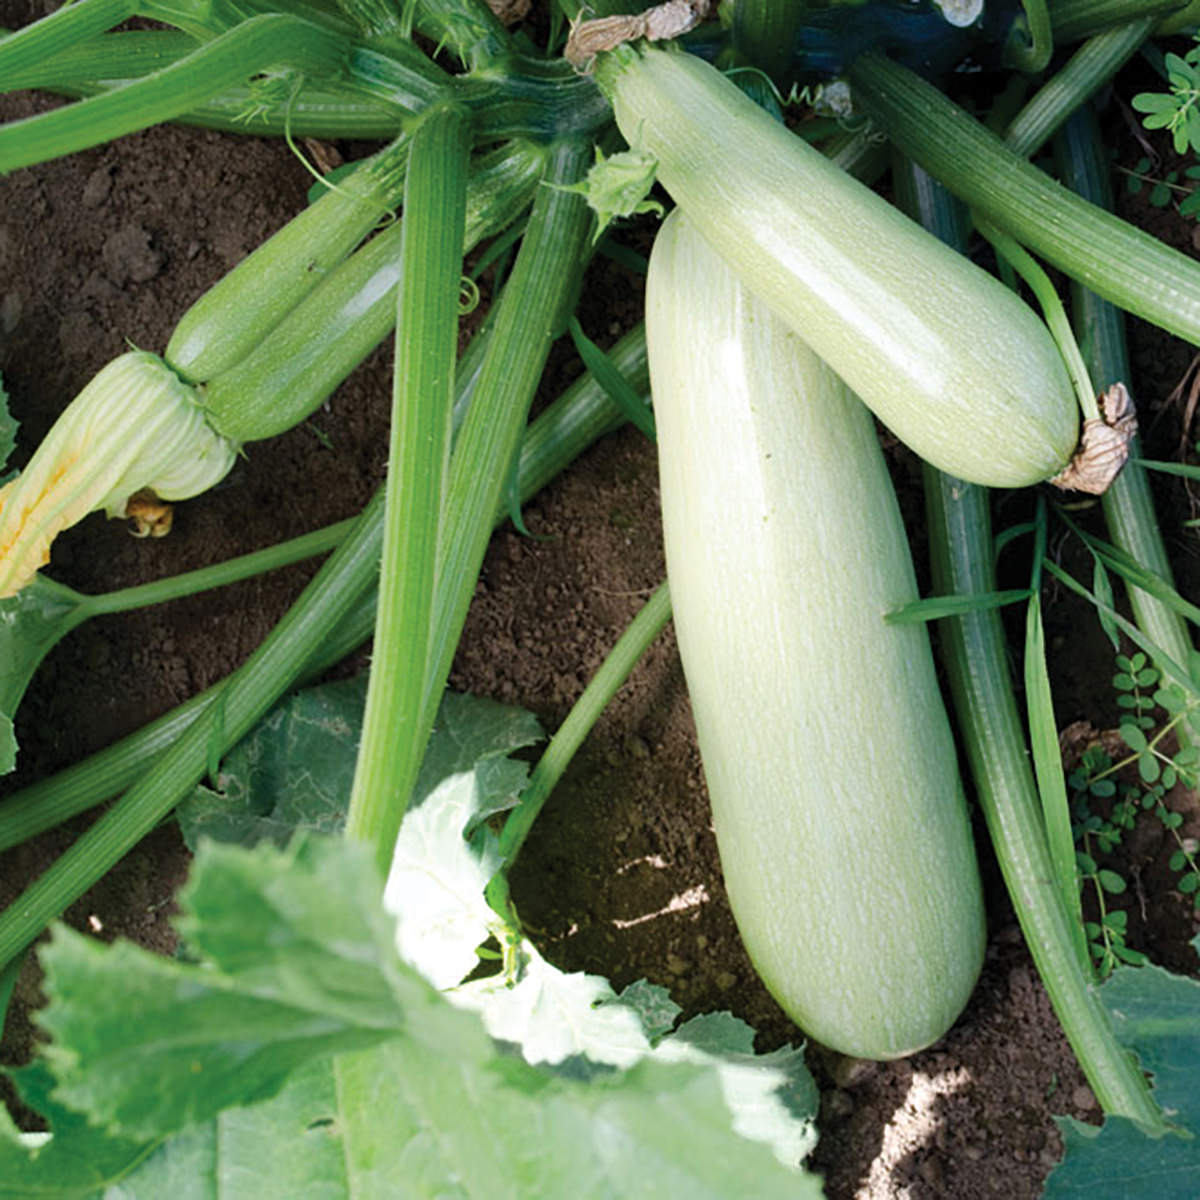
(113, 60)
(1107, 255)
(271, 41)
(245, 566)
(468, 27)
(1073, 20)
(394, 737)
(1089, 69)
(531, 312)
(523, 97)
(67, 27)
(1030, 42)
(764, 33)
(1128, 504)
(555, 438)
(976, 657)
(975, 654)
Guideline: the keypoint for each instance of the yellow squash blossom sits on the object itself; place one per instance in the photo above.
(136, 428)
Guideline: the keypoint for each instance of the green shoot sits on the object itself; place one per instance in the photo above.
(1047, 759)
(1107, 802)
(1052, 308)
(1180, 187)
(632, 644)
(1176, 111)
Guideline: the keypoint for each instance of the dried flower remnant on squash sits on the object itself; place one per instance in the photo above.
(136, 428)
(1103, 445)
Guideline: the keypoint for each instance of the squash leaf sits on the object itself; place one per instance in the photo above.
(300, 1032)
(295, 768)
(1157, 1015)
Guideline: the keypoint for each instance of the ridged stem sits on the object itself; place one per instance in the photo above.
(394, 737)
(113, 60)
(975, 654)
(1111, 257)
(1073, 20)
(1128, 505)
(244, 566)
(248, 694)
(62, 29)
(764, 33)
(530, 315)
(468, 27)
(272, 40)
(1089, 68)
(1030, 42)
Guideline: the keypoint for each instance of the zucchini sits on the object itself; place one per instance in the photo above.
(947, 357)
(241, 309)
(837, 803)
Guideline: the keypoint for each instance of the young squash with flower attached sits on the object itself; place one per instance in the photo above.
(838, 809)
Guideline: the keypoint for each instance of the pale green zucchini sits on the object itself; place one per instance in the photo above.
(947, 357)
(836, 798)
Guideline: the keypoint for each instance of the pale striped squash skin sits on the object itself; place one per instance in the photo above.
(954, 364)
(838, 809)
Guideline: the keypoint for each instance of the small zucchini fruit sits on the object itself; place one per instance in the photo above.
(837, 803)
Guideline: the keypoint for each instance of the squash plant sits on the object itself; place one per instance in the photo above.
(298, 997)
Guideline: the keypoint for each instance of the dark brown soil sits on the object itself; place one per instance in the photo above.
(621, 876)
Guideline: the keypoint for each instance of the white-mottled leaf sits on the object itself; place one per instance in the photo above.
(435, 888)
(554, 1016)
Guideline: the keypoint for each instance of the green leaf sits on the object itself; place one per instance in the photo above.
(77, 1159)
(290, 1145)
(436, 884)
(618, 186)
(31, 623)
(608, 376)
(1102, 586)
(1186, 470)
(1189, 206)
(1111, 882)
(1133, 737)
(934, 607)
(475, 736)
(555, 1016)
(1148, 768)
(8, 433)
(653, 1005)
(1152, 102)
(1157, 1015)
(1117, 920)
(1047, 764)
(296, 964)
(570, 1021)
(294, 770)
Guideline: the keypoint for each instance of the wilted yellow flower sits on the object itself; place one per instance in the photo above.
(136, 426)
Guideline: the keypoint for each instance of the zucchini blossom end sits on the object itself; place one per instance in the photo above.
(135, 428)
